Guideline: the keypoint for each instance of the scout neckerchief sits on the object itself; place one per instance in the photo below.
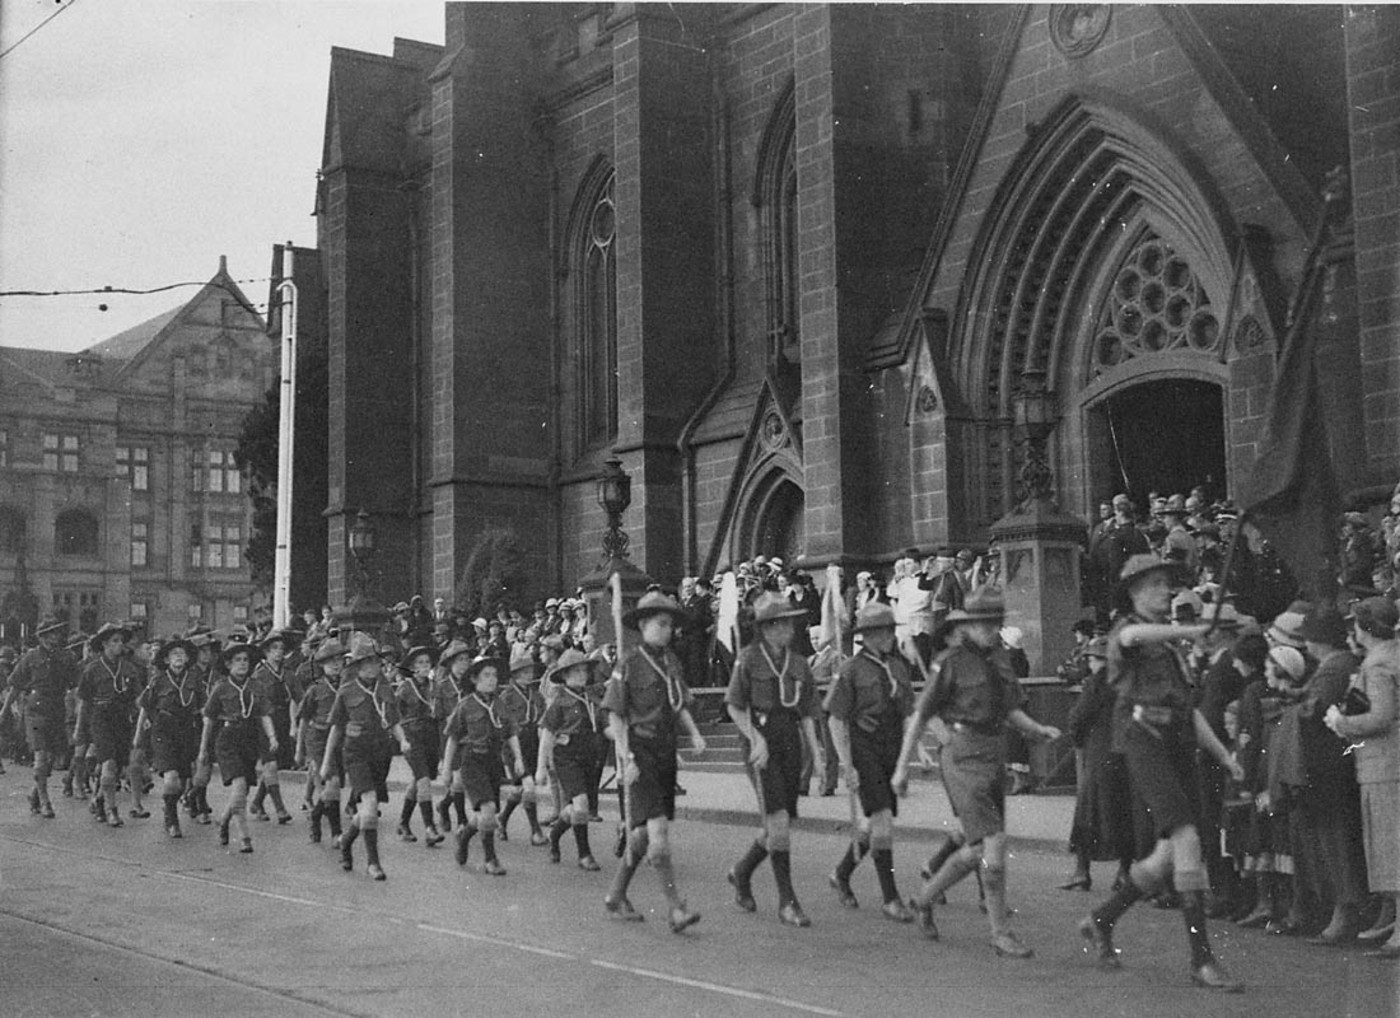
(185, 700)
(782, 674)
(412, 684)
(889, 672)
(373, 695)
(588, 705)
(115, 674)
(524, 694)
(673, 691)
(245, 706)
(490, 708)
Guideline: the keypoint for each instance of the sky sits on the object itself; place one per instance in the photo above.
(142, 139)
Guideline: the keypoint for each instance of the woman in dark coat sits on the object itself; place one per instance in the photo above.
(1103, 807)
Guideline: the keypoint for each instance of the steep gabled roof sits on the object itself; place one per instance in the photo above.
(126, 345)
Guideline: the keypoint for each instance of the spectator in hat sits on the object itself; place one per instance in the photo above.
(1359, 550)
(1374, 731)
(1120, 541)
(1102, 828)
(38, 684)
(1326, 808)
(1073, 670)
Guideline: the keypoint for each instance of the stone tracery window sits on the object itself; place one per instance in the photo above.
(1156, 304)
(596, 321)
(775, 195)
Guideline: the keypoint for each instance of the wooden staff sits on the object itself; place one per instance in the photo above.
(615, 582)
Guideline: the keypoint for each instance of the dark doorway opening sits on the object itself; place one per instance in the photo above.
(781, 524)
(1164, 436)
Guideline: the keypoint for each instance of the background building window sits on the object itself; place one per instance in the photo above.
(81, 610)
(139, 611)
(60, 452)
(13, 528)
(595, 230)
(219, 474)
(75, 533)
(240, 613)
(194, 612)
(4, 447)
(139, 533)
(196, 544)
(134, 462)
(223, 546)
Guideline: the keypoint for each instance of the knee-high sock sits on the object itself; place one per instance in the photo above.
(275, 794)
(556, 831)
(172, 809)
(257, 804)
(372, 846)
(425, 810)
(406, 813)
(948, 874)
(532, 814)
(488, 845)
(622, 878)
(459, 805)
(507, 810)
(313, 819)
(332, 810)
(884, 872)
(581, 840)
(782, 875)
(1121, 900)
(854, 854)
(1193, 911)
(744, 868)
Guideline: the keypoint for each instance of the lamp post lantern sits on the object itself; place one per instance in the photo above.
(614, 496)
(1036, 417)
(362, 612)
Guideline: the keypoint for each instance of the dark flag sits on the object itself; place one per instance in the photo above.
(1292, 494)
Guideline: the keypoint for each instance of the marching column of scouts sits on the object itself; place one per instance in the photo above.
(494, 734)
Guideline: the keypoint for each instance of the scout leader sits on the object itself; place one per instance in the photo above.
(241, 716)
(648, 701)
(868, 704)
(522, 702)
(569, 735)
(364, 720)
(313, 732)
(107, 696)
(772, 699)
(976, 694)
(40, 682)
(418, 715)
(276, 684)
(172, 703)
(1157, 729)
(478, 732)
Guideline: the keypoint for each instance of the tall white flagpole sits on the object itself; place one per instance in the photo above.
(282, 568)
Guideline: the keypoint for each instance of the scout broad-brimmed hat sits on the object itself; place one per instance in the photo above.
(108, 630)
(227, 653)
(487, 661)
(1375, 616)
(521, 659)
(874, 616)
(407, 663)
(653, 602)
(982, 605)
(1139, 566)
(163, 654)
(571, 658)
(361, 648)
(328, 651)
(453, 650)
(289, 637)
(772, 606)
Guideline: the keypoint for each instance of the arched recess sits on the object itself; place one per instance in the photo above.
(775, 198)
(1092, 190)
(771, 511)
(590, 274)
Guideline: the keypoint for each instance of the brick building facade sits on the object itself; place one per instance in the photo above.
(794, 263)
(119, 497)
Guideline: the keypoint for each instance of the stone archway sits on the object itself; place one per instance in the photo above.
(772, 520)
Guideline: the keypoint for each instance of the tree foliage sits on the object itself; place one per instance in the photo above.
(493, 574)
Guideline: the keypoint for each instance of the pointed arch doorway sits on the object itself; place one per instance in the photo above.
(1164, 434)
(774, 523)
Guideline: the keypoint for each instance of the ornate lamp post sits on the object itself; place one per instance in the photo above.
(362, 612)
(1036, 417)
(614, 495)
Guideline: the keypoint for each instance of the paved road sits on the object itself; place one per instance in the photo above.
(101, 922)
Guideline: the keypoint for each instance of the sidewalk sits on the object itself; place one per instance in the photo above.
(1039, 821)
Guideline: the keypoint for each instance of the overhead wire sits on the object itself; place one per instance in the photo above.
(15, 45)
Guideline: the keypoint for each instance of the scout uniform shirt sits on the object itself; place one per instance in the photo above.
(871, 691)
(234, 704)
(316, 704)
(572, 716)
(524, 705)
(366, 714)
(1152, 683)
(417, 705)
(176, 696)
(479, 725)
(772, 687)
(972, 687)
(46, 676)
(110, 689)
(648, 691)
(276, 686)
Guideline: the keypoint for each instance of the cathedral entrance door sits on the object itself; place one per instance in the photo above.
(780, 524)
(1165, 435)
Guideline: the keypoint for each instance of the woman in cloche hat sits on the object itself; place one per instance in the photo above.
(773, 700)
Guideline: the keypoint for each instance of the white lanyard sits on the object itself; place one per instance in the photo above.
(381, 711)
(588, 705)
(889, 673)
(524, 694)
(185, 701)
(117, 682)
(490, 709)
(673, 691)
(245, 707)
(796, 686)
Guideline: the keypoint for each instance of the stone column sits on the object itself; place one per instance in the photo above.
(1040, 548)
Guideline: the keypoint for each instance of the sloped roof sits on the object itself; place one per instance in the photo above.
(47, 366)
(126, 345)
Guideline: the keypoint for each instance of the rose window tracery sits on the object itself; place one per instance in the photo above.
(1156, 304)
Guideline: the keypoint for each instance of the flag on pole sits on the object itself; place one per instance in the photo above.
(833, 611)
(727, 619)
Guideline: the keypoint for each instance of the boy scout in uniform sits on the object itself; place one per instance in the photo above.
(276, 684)
(976, 695)
(38, 685)
(313, 730)
(522, 703)
(107, 696)
(772, 699)
(648, 701)
(868, 704)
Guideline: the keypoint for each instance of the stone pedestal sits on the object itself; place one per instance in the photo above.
(1040, 547)
(597, 596)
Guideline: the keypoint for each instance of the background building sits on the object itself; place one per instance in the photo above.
(119, 498)
(795, 263)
